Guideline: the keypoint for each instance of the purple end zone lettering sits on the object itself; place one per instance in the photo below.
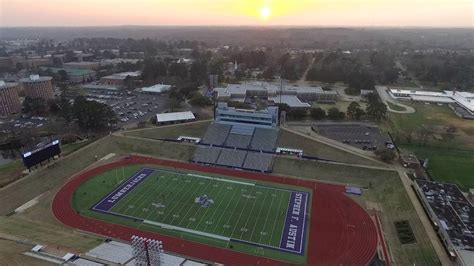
(294, 231)
(120, 192)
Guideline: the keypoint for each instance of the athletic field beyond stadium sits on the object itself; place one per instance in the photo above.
(245, 212)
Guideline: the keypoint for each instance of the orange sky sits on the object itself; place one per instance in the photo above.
(457, 13)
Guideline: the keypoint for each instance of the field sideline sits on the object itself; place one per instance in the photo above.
(333, 213)
(240, 211)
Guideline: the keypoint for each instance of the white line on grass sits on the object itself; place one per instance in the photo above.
(241, 212)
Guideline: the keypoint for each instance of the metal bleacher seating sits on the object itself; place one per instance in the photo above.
(204, 154)
(258, 161)
(264, 139)
(238, 141)
(242, 130)
(230, 157)
(216, 134)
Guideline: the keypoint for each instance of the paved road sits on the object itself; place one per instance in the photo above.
(431, 233)
(382, 91)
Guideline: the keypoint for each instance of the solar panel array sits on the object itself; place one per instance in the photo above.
(216, 134)
(259, 161)
(264, 139)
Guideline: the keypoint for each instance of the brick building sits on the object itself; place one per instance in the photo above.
(9, 99)
(38, 87)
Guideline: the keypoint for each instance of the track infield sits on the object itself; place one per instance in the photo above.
(338, 231)
(219, 208)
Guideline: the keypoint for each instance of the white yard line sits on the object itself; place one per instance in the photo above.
(274, 223)
(136, 200)
(250, 214)
(259, 213)
(223, 180)
(177, 228)
(192, 206)
(200, 220)
(240, 216)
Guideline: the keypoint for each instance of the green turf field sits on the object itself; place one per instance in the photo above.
(243, 215)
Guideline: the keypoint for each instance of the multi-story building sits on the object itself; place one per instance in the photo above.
(267, 118)
(9, 99)
(38, 87)
(294, 96)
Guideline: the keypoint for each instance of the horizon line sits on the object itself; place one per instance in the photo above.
(242, 26)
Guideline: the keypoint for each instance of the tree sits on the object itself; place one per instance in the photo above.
(198, 72)
(375, 108)
(354, 111)
(199, 100)
(385, 155)
(175, 98)
(297, 113)
(65, 109)
(35, 106)
(92, 115)
(318, 113)
(335, 114)
(63, 76)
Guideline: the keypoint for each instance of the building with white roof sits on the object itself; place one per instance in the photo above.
(294, 96)
(157, 88)
(461, 102)
(175, 117)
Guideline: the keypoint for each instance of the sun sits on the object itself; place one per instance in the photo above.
(265, 13)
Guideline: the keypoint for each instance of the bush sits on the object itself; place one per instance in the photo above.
(335, 114)
(385, 155)
(318, 113)
(297, 113)
(199, 100)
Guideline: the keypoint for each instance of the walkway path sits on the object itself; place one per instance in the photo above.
(382, 91)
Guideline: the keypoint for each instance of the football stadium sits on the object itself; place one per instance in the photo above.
(215, 213)
(224, 202)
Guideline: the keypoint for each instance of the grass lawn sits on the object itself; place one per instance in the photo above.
(341, 105)
(396, 107)
(37, 222)
(240, 211)
(11, 254)
(436, 116)
(313, 148)
(171, 132)
(10, 172)
(384, 188)
(448, 165)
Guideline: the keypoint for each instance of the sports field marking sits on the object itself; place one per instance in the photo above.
(166, 199)
(223, 180)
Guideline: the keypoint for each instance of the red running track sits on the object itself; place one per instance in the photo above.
(341, 232)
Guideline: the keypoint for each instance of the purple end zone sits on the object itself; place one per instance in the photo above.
(119, 193)
(294, 231)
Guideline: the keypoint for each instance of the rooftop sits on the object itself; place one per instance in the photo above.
(123, 75)
(70, 71)
(157, 88)
(35, 78)
(177, 116)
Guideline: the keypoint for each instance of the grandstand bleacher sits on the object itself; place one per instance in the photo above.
(232, 158)
(205, 154)
(264, 139)
(239, 146)
(259, 162)
(216, 134)
(238, 141)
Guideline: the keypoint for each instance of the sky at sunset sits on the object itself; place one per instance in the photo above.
(444, 13)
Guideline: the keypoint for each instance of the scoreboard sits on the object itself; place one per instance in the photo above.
(42, 154)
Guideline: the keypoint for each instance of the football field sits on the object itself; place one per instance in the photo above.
(211, 207)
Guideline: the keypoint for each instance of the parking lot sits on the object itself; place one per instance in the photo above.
(133, 107)
(364, 137)
(22, 123)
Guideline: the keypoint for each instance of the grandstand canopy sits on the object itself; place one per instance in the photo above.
(175, 117)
